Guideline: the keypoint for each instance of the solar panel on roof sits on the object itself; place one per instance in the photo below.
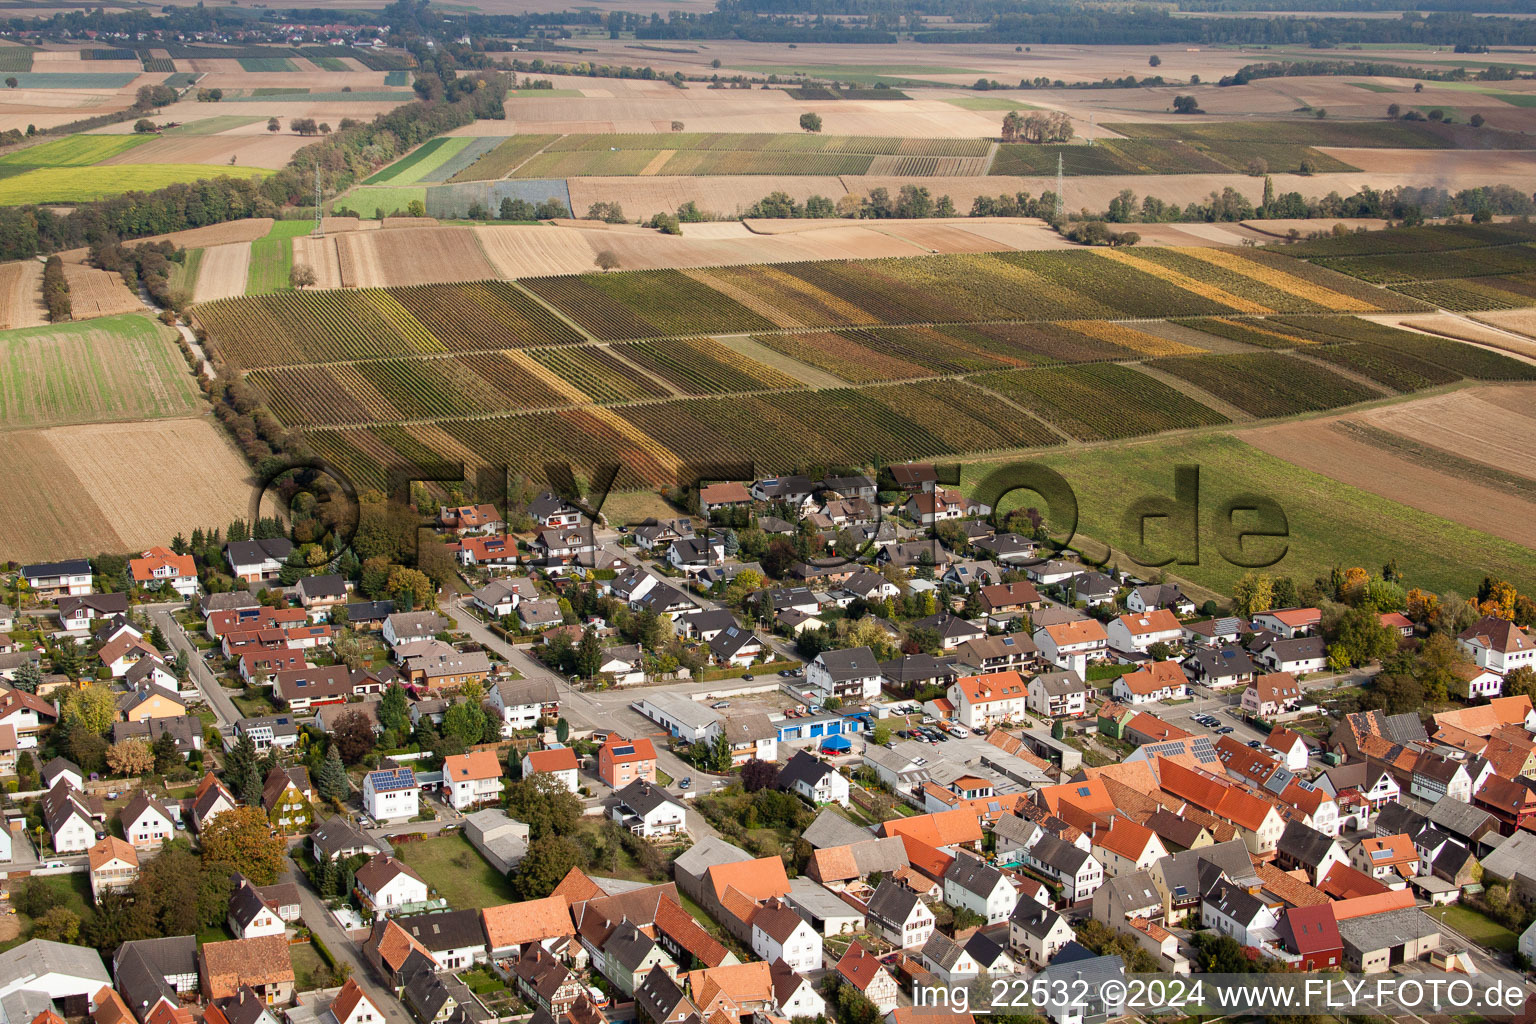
(623, 750)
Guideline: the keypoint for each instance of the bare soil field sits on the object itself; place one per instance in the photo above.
(1317, 446)
(270, 151)
(224, 271)
(406, 256)
(197, 238)
(1520, 321)
(21, 291)
(516, 251)
(1279, 227)
(1471, 423)
(95, 292)
(1492, 165)
(69, 493)
(724, 195)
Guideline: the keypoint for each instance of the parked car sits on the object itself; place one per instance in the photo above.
(719, 704)
(786, 672)
(749, 677)
(685, 783)
(1253, 743)
(1225, 729)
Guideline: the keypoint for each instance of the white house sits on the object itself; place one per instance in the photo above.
(648, 810)
(471, 779)
(68, 820)
(557, 762)
(1233, 911)
(256, 560)
(1071, 645)
(1161, 680)
(1137, 631)
(979, 887)
(249, 916)
(813, 779)
(1290, 746)
(1289, 622)
(983, 701)
(779, 933)
(1498, 645)
(1058, 694)
(522, 702)
(1079, 872)
(59, 579)
(147, 823)
(412, 627)
(386, 884)
(898, 915)
(1297, 656)
(625, 664)
(851, 674)
(391, 794)
(1037, 932)
(352, 1006)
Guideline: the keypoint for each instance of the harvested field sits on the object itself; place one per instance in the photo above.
(69, 493)
(1491, 164)
(224, 271)
(407, 256)
(1449, 325)
(21, 290)
(95, 292)
(1476, 424)
(319, 254)
(1320, 446)
(723, 195)
(534, 251)
(123, 367)
(1519, 321)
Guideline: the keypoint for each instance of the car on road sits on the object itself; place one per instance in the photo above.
(685, 783)
(1254, 744)
(54, 864)
(785, 673)
(720, 704)
(1225, 729)
(749, 677)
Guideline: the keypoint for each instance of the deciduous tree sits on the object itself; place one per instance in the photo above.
(353, 735)
(92, 708)
(131, 757)
(548, 860)
(243, 838)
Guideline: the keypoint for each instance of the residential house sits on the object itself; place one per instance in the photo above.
(648, 810)
(1296, 656)
(1058, 694)
(336, 838)
(1272, 694)
(780, 933)
(147, 823)
(412, 627)
(1301, 847)
(387, 885)
(1293, 750)
(623, 665)
(899, 916)
(1120, 900)
(859, 968)
(1076, 870)
(851, 675)
(258, 561)
(285, 795)
(1512, 803)
(1390, 860)
(1094, 588)
(1289, 622)
(558, 762)
(1152, 596)
(472, 779)
(1497, 645)
(500, 597)
(352, 1006)
(52, 580)
(1220, 667)
(1037, 932)
(546, 983)
(1161, 680)
(269, 731)
(1071, 645)
(972, 883)
(391, 794)
(495, 553)
(454, 938)
(813, 779)
(77, 613)
(470, 519)
(114, 865)
(70, 820)
(514, 928)
(737, 647)
(984, 701)
(262, 964)
(1137, 632)
(524, 702)
(621, 761)
(1235, 912)
(550, 510)
(27, 715)
(1126, 847)
(1312, 933)
(249, 916)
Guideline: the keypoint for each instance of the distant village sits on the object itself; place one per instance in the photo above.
(700, 770)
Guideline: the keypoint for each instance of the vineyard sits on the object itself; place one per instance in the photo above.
(1100, 402)
(501, 160)
(1399, 268)
(724, 142)
(1435, 238)
(1267, 383)
(1160, 156)
(1473, 294)
(941, 355)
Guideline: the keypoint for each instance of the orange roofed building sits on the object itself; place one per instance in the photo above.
(161, 566)
(621, 761)
(944, 830)
(262, 963)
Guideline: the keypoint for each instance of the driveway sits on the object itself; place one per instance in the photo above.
(202, 676)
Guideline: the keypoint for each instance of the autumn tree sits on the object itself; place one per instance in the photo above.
(1521, 682)
(1497, 598)
(1013, 126)
(1361, 638)
(131, 757)
(547, 861)
(243, 838)
(606, 259)
(58, 925)
(1253, 592)
(352, 735)
(413, 586)
(92, 709)
(544, 804)
(1421, 605)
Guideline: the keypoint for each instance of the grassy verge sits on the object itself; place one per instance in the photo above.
(1475, 926)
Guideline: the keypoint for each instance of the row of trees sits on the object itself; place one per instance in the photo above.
(1039, 126)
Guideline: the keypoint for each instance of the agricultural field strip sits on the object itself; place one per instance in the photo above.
(617, 349)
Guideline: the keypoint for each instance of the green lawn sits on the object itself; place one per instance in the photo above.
(1375, 87)
(213, 125)
(83, 184)
(423, 161)
(307, 964)
(73, 151)
(1476, 926)
(457, 872)
(366, 202)
(267, 64)
(1329, 523)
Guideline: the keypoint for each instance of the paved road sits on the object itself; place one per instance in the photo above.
(202, 676)
(320, 921)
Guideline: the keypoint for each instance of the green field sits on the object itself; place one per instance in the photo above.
(213, 125)
(864, 74)
(184, 276)
(272, 257)
(16, 58)
(457, 871)
(1330, 523)
(113, 368)
(82, 184)
(422, 162)
(367, 202)
(329, 63)
(267, 64)
(73, 151)
(1375, 87)
(397, 78)
(360, 96)
(988, 103)
(1475, 926)
(280, 90)
(74, 79)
